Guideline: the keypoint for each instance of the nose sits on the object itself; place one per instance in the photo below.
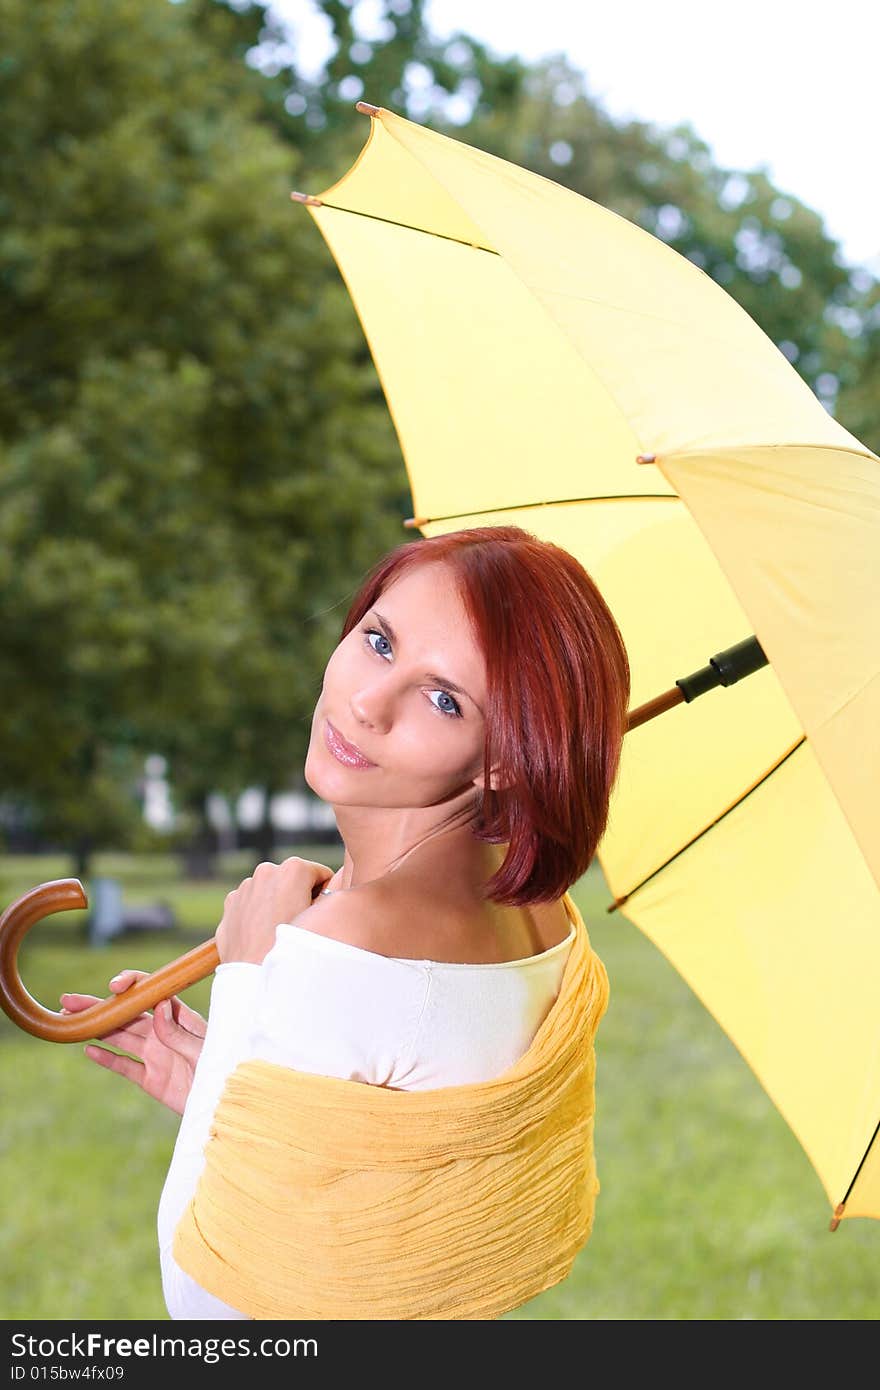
(372, 705)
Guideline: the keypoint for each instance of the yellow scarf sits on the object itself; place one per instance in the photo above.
(324, 1198)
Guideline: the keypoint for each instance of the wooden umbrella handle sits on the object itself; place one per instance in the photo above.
(60, 895)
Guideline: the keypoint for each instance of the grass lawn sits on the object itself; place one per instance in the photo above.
(709, 1208)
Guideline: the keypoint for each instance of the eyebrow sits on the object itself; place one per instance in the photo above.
(430, 675)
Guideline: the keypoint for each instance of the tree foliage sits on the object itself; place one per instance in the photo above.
(196, 463)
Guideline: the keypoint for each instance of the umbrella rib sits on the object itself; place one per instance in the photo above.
(612, 907)
(408, 226)
(675, 454)
(838, 1211)
(553, 502)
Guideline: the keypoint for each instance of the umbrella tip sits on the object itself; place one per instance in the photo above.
(307, 198)
(646, 458)
(366, 109)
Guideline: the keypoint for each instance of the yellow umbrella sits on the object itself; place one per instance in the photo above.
(551, 365)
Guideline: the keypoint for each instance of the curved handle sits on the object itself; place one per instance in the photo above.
(60, 895)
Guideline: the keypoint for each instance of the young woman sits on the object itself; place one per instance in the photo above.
(467, 735)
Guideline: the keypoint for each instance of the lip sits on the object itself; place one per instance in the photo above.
(343, 751)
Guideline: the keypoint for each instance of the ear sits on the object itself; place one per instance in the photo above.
(496, 784)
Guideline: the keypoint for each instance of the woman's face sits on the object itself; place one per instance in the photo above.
(407, 688)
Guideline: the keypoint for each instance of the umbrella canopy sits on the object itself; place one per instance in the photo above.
(549, 364)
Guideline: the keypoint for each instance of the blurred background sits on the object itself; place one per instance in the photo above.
(197, 466)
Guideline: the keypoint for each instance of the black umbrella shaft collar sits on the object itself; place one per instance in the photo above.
(725, 668)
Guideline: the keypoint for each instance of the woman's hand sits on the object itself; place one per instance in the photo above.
(275, 893)
(168, 1042)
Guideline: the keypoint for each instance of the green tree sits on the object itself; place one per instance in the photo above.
(196, 462)
(859, 402)
(390, 58)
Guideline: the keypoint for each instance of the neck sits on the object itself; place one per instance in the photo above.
(377, 839)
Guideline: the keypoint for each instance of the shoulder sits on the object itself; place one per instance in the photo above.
(377, 917)
(330, 1002)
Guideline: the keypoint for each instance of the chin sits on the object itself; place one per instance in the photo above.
(318, 773)
(312, 771)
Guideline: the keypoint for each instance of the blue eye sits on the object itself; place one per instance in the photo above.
(371, 632)
(453, 713)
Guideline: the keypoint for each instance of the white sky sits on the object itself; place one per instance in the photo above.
(789, 86)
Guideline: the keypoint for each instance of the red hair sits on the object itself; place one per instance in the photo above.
(558, 683)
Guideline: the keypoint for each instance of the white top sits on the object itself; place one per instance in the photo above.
(328, 1007)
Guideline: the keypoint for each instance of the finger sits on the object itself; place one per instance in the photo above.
(129, 1035)
(320, 872)
(122, 981)
(310, 863)
(114, 1061)
(72, 1003)
(188, 1018)
(126, 978)
(172, 1036)
(297, 868)
(75, 1003)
